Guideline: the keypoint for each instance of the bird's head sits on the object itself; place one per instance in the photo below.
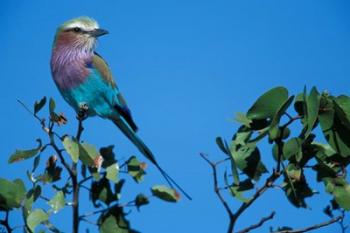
(79, 33)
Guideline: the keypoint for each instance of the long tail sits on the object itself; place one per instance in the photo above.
(146, 152)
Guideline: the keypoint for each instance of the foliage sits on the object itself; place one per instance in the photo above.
(294, 145)
(63, 154)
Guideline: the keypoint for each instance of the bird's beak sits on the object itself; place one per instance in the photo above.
(98, 32)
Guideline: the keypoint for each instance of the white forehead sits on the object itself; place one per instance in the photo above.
(86, 24)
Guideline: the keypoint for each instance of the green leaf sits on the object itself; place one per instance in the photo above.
(324, 171)
(243, 119)
(293, 148)
(31, 196)
(295, 186)
(11, 194)
(221, 145)
(52, 106)
(300, 104)
(35, 218)
(335, 132)
(38, 105)
(246, 155)
(340, 189)
(342, 196)
(72, 148)
(88, 154)
(248, 161)
(108, 156)
(274, 128)
(101, 191)
(114, 221)
(57, 202)
(342, 108)
(164, 193)
(234, 168)
(141, 200)
(267, 105)
(52, 171)
(118, 188)
(24, 154)
(323, 151)
(234, 190)
(136, 169)
(36, 163)
(312, 105)
(112, 172)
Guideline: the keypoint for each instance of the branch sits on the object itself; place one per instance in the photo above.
(42, 121)
(5, 222)
(75, 183)
(217, 189)
(60, 155)
(80, 128)
(341, 222)
(259, 224)
(234, 216)
(314, 227)
(268, 184)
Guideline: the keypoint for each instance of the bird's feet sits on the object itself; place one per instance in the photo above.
(83, 111)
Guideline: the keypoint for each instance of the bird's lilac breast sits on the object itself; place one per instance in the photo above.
(70, 76)
(69, 68)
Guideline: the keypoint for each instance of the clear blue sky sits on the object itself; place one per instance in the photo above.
(185, 68)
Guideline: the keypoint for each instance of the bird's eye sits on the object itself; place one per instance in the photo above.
(76, 29)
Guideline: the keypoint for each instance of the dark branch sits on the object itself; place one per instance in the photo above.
(343, 227)
(75, 183)
(259, 224)
(60, 155)
(5, 222)
(268, 184)
(216, 186)
(314, 227)
(217, 191)
(234, 216)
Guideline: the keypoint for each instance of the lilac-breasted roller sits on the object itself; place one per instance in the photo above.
(86, 83)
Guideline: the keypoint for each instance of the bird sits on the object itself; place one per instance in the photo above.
(85, 81)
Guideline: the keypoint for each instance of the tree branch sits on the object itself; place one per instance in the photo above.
(259, 224)
(217, 191)
(314, 227)
(268, 183)
(5, 223)
(75, 183)
(234, 216)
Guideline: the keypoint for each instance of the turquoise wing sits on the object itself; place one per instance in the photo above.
(99, 64)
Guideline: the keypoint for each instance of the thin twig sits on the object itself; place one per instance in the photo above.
(84, 180)
(88, 221)
(288, 115)
(83, 186)
(93, 213)
(268, 184)
(314, 227)
(44, 198)
(30, 111)
(259, 224)
(341, 222)
(60, 155)
(234, 216)
(5, 223)
(217, 191)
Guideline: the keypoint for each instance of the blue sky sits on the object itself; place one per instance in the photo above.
(185, 68)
